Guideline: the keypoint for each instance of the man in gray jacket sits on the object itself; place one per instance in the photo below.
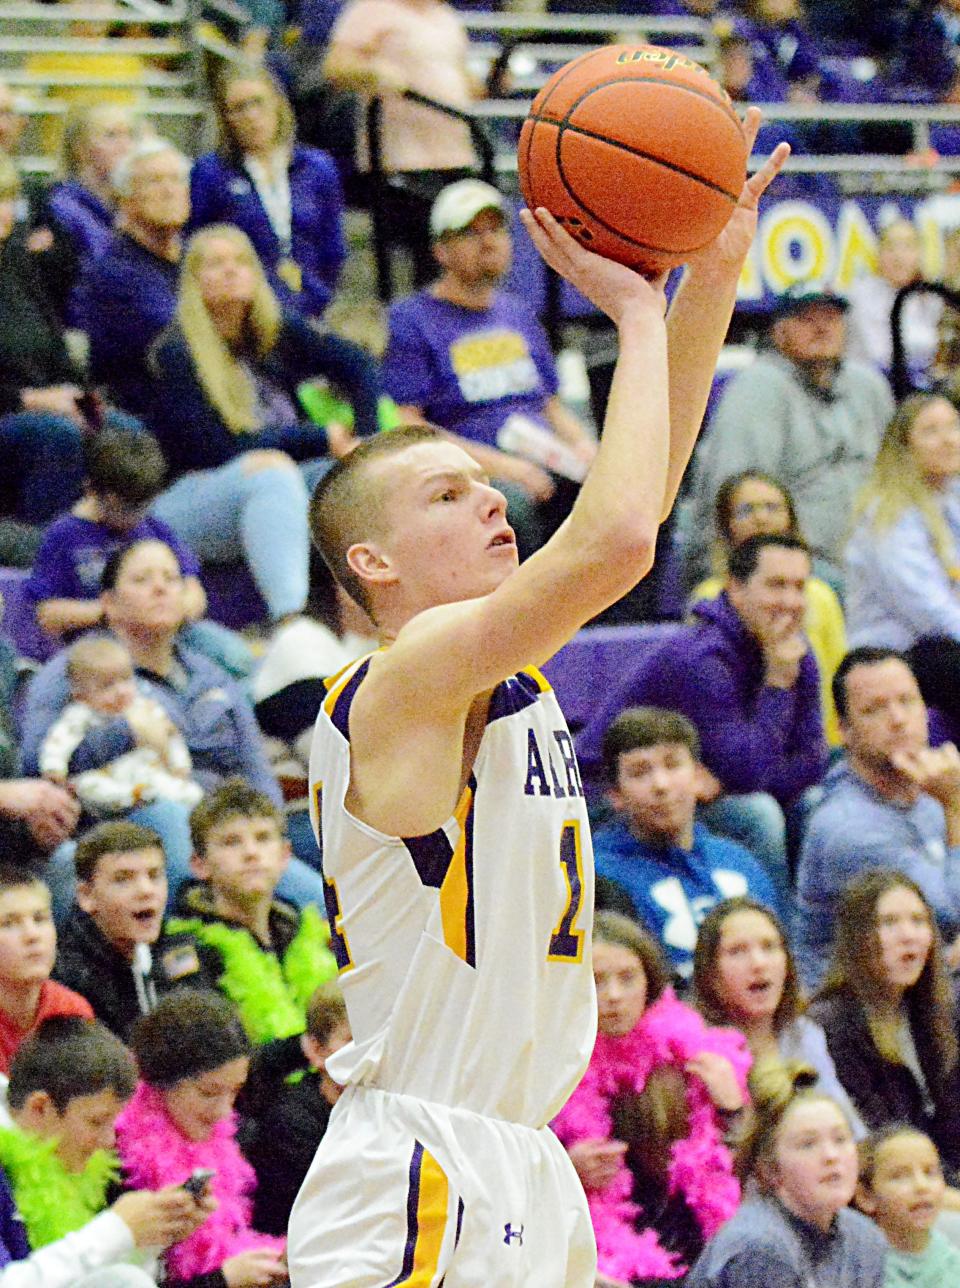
(802, 413)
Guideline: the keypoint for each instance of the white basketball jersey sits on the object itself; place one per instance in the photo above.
(465, 954)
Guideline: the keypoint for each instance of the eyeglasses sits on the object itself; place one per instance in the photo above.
(746, 509)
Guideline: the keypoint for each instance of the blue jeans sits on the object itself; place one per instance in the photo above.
(42, 458)
(299, 885)
(262, 513)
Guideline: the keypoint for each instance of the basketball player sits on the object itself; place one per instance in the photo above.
(457, 858)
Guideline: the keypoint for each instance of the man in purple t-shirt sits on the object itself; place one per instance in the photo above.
(470, 357)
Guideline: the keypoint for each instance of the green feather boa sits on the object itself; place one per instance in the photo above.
(52, 1201)
(271, 995)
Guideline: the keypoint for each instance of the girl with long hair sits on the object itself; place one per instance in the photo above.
(887, 1009)
(227, 373)
(645, 1128)
(795, 1229)
(96, 138)
(286, 197)
(745, 976)
(903, 560)
(752, 503)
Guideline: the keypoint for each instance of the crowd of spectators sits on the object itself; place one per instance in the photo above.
(774, 781)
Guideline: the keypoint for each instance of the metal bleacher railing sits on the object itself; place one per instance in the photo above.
(529, 47)
(41, 55)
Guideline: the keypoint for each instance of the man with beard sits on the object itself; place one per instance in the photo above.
(803, 413)
(893, 802)
(471, 357)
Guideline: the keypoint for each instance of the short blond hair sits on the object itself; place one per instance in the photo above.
(347, 507)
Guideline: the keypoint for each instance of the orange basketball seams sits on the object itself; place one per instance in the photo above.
(637, 151)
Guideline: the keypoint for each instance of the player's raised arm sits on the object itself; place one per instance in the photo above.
(701, 311)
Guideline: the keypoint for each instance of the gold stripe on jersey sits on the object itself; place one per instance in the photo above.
(428, 1204)
(456, 890)
(335, 685)
(432, 1212)
(543, 684)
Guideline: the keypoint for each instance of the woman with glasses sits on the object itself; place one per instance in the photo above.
(752, 503)
(286, 197)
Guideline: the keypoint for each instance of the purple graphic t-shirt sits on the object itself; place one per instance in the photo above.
(71, 557)
(467, 369)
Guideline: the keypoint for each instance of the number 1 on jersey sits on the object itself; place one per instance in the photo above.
(566, 942)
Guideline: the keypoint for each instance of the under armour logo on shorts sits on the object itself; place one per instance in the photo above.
(509, 1234)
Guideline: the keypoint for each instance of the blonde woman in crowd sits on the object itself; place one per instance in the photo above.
(286, 197)
(96, 138)
(226, 416)
(903, 560)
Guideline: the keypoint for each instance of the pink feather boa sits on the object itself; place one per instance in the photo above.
(155, 1153)
(701, 1167)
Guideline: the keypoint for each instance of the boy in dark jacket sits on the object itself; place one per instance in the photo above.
(286, 1137)
(115, 949)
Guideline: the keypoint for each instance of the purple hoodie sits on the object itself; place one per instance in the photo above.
(753, 737)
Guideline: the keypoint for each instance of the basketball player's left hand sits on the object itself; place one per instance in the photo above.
(728, 251)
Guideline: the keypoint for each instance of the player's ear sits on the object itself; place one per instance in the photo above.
(370, 564)
(199, 866)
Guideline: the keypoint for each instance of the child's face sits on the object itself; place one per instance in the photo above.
(107, 689)
(906, 937)
(657, 789)
(318, 1052)
(243, 858)
(197, 1104)
(116, 514)
(815, 1170)
(621, 988)
(906, 1194)
(85, 1125)
(28, 941)
(750, 967)
(126, 897)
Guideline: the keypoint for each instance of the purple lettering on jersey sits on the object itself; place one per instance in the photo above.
(565, 743)
(535, 769)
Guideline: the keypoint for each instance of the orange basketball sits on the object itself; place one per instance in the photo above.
(637, 151)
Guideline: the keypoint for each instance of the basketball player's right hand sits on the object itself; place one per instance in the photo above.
(613, 288)
(597, 1162)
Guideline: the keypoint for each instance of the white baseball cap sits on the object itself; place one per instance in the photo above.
(459, 203)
